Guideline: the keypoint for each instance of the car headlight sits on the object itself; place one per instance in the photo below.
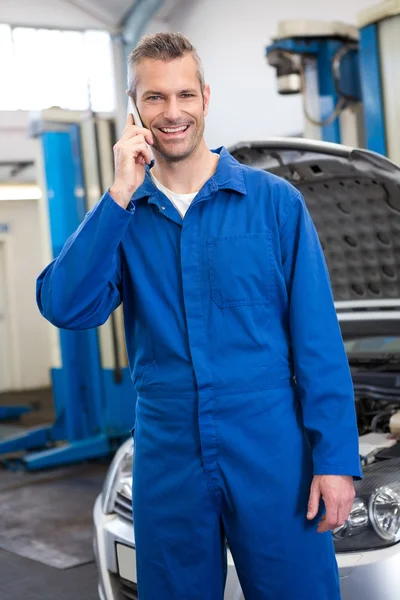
(384, 513)
(374, 521)
(119, 477)
(357, 521)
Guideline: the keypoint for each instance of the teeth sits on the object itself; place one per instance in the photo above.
(170, 130)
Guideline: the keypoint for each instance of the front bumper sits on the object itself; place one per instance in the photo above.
(363, 576)
(373, 575)
(110, 530)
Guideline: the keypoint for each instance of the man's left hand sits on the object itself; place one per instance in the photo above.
(338, 494)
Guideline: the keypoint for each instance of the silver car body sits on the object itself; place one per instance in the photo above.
(371, 575)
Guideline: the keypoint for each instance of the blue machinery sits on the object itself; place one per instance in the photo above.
(93, 394)
(349, 77)
(9, 413)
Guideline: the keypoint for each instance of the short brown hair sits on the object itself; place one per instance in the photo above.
(161, 46)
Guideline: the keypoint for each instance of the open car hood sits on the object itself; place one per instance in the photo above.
(353, 196)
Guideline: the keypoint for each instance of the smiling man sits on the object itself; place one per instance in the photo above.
(179, 127)
(245, 421)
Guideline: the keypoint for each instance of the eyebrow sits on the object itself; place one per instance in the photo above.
(151, 93)
(158, 93)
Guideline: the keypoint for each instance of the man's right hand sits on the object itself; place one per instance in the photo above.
(130, 156)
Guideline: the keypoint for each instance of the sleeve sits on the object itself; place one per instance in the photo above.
(321, 367)
(82, 286)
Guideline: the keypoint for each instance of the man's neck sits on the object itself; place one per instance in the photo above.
(189, 175)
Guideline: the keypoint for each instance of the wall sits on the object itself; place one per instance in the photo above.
(32, 332)
(231, 36)
(50, 13)
(158, 25)
(15, 144)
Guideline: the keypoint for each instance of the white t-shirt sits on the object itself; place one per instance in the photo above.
(180, 201)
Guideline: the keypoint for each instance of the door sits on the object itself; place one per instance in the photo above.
(5, 345)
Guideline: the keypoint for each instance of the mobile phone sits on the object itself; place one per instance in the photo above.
(132, 108)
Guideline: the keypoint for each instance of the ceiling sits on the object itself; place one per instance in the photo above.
(112, 12)
(77, 14)
(115, 10)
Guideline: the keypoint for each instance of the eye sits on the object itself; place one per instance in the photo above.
(187, 95)
(153, 97)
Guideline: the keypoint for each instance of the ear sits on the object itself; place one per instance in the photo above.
(206, 99)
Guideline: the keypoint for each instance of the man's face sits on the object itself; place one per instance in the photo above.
(171, 105)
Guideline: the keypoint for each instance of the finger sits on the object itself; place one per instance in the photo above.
(313, 503)
(134, 146)
(141, 150)
(321, 523)
(330, 519)
(132, 130)
(145, 153)
(129, 120)
(139, 138)
(149, 137)
(343, 513)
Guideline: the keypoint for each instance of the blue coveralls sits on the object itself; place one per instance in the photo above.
(222, 310)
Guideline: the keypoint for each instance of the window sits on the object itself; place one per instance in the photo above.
(40, 68)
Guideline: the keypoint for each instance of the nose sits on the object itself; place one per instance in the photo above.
(172, 111)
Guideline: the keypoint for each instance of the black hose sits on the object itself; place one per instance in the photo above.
(379, 416)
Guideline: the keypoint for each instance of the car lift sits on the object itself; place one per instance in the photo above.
(334, 67)
(10, 413)
(93, 393)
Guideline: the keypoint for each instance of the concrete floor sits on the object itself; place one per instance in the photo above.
(28, 532)
(24, 579)
(69, 493)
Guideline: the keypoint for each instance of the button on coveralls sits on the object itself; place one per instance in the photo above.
(243, 386)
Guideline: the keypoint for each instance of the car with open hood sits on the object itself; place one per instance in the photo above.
(353, 196)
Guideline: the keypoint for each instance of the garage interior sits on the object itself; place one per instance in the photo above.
(285, 77)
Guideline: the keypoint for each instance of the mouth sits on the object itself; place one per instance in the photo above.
(174, 132)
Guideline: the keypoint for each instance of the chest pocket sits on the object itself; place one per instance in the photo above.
(241, 269)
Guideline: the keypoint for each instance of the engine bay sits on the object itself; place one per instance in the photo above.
(377, 399)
